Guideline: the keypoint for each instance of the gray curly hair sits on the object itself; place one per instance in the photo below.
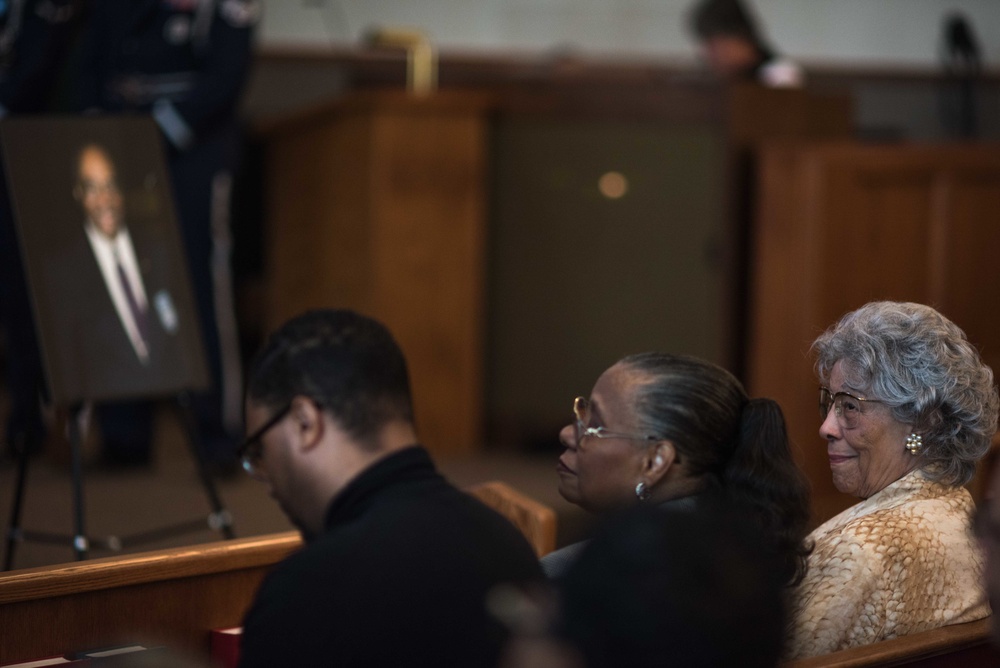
(924, 368)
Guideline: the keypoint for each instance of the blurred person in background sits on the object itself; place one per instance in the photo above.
(34, 38)
(734, 46)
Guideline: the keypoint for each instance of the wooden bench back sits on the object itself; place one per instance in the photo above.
(168, 597)
(174, 597)
(959, 646)
(535, 520)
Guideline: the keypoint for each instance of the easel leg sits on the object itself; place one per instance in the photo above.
(220, 519)
(14, 528)
(77, 418)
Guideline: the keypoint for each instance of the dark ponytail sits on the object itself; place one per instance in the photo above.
(761, 477)
(720, 434)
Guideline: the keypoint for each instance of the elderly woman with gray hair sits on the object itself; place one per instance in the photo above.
(908, 408)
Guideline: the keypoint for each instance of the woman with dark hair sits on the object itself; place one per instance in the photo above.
(907, 409)
(679, 432)
(735, 48)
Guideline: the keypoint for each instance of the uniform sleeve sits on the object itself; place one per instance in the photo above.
(89, 71)
(220, 80)
(839, 599)
(37, 52)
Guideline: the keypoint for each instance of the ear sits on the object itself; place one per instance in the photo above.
(308, 422)
(659, 459)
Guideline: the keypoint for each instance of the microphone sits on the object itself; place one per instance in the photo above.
(961, 46)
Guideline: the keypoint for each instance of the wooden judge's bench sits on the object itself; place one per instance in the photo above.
(417, 210)
(486, 258)
(377, 202)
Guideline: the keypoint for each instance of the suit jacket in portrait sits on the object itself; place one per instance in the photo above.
(88, 352)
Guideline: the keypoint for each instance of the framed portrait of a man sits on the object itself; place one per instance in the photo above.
(108, 277)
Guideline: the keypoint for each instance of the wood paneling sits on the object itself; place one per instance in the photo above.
(377, 203)
(535, 520)
(171, 597)
(842, 224)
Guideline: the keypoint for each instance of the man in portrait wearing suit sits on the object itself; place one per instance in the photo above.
(113, 295)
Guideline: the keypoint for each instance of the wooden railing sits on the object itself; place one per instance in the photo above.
(174, 597)
(960, 645)
(170, 597)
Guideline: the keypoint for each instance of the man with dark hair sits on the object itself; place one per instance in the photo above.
(735, 48)
(398, 562)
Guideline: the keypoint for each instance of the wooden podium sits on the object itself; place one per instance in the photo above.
(377, 203)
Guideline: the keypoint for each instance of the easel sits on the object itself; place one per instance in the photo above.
(218, 520)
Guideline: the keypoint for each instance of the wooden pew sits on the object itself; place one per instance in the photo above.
(174, 597)
(535, 520)
(170, 597)
(958, 646)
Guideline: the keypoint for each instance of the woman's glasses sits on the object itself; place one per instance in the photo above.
(846, 406)
(581, 409)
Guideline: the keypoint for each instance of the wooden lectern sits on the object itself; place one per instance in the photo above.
(377, 203)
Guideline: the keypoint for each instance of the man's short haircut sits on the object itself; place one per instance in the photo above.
(349, 364)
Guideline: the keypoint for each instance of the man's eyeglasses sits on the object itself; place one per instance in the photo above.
(581, 409)
(846, 406)
(252, 448)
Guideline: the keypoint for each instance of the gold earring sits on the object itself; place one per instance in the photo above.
(914, 443)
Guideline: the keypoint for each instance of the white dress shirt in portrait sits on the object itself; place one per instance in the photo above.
(108, 252)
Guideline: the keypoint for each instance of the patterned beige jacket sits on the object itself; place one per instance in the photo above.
(902, 561)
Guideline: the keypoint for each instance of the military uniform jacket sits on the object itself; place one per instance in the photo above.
(184, 61)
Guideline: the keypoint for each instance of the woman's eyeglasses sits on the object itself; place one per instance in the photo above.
(846, 406)
(581, 409)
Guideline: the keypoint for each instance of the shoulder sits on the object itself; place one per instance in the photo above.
(555, 564)
(437, 512)
(923, 524)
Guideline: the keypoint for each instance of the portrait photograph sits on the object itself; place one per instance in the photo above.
(108, 277)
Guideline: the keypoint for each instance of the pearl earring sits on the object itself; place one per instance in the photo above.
(914, 443)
